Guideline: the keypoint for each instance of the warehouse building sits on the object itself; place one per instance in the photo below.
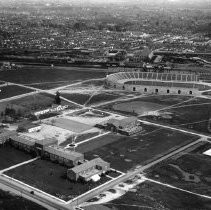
(90, 170)
(62, 156)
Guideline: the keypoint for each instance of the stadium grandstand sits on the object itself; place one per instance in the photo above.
(151, 82)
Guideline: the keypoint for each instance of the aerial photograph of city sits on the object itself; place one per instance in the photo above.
(105, 104)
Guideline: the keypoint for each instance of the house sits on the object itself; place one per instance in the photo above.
(88, 170)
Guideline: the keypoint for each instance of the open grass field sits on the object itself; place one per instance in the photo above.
(10, 156)
(40, 74)
(153, 196)
(51, 178)
(125, 153)
(145, 104)
(88, 99)
(12, 90)
(190, 171)
(192, 116)
(13, 202)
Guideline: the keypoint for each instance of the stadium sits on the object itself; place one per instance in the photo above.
(157, 83)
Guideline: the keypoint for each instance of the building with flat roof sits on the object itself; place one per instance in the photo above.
(23, 143)
(40, 144)
(29, 127)
(63, 156)
(88, 170)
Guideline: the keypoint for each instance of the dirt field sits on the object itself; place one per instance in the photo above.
(10, 156)
(190, 171)
(144, 105)
(12, 90)
(125, 153)
(153, 196)
(51, 178)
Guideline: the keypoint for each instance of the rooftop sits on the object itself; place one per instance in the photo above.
(61, 152)
(89, 164)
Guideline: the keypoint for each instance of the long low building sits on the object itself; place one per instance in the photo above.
(59, 154)
(89, 170)
(23, 143)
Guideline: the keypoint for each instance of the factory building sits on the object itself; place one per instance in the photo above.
(62, 156)
(89, 170)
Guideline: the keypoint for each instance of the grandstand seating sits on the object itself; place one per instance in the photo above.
(171, 80)
(152, 76)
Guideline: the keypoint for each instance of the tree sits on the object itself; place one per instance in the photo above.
(57, 98)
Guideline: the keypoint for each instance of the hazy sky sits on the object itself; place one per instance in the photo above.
(113, 1)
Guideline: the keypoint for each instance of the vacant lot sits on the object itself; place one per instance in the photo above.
(192, 116)
(12, 90)
(153, 196)
(190, 171)
(125, 152)
(12, 202)
(10, 156)
(41, 74)
(51, 178)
